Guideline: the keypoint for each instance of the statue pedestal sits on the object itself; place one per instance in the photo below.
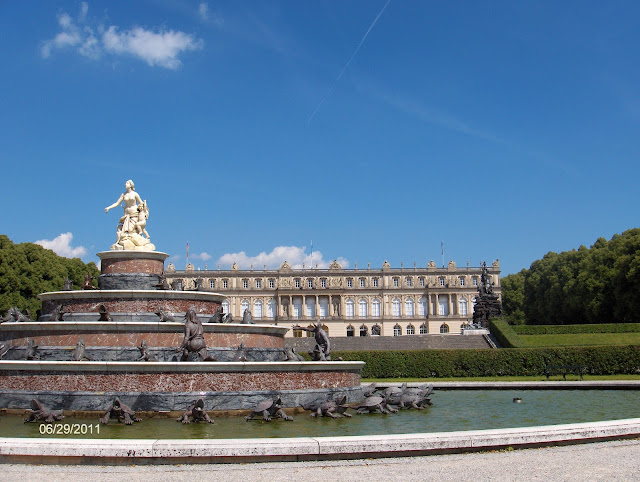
(131, 270)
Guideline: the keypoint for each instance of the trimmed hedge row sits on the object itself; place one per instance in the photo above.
(608, 360)
(504, 333)
(571, 329)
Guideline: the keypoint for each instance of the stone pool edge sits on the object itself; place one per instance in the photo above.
(132, 451)
(176, 451)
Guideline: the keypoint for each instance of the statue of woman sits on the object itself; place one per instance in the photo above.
(132, 224)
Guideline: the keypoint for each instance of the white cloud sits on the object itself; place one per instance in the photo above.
(203, 11)
(202, 256)
(156, 47)
(294, 255)
(62, 246)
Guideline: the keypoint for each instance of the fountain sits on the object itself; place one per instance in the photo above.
(127, 340)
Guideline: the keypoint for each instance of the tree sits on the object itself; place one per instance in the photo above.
(28, 269)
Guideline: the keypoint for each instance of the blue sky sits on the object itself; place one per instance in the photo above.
(377, 129)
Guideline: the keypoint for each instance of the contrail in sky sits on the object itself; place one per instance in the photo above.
(364, 37)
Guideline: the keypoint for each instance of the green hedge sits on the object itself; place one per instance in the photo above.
(571, 329)
(505, 333)
(609, 360)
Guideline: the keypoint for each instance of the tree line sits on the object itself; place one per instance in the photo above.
(28, 269)
(600, 284)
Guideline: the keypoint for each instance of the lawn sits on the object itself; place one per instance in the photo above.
(580, 339)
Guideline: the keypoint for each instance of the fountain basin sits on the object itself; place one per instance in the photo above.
(130, 334)
(162, 386)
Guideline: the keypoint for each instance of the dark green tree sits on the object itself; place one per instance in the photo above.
(28, 269)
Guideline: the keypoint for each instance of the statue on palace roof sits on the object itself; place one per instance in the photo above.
(131, 232)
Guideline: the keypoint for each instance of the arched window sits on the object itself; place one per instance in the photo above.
(349, 308)
(225, 306)
(462, 307)
(424, 329)
(244, 306)
(408, 308)
(257, 309)
(376, 330)
(444, 328)
(350, 330)
(443, 305)
(411, 330)
(422, 306)
(311, 308)
(323, 307)
(375, 308)
(271, 309)
(362, 308)
(364, 331)
(395, 304)
(297, 308)
(310, 333)
(397, 330)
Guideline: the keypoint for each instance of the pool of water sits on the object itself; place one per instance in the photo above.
(452, 410)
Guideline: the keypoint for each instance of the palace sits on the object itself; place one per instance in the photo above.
(349, 302)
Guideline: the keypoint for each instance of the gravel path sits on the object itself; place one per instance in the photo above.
(618, 460)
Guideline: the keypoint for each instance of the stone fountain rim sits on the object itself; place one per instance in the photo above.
(131, 294)
(177, 367)
(143, 326)
(132, 254)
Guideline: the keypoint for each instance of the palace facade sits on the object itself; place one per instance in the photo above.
(349, 302)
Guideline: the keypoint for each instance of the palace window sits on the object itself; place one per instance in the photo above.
(363, 330)
(441, 281)
(375, 282)
(423, 329)
(225, 283)
(462, 307)
(362, 283)
(272, 283)
(396, 282)
(271, 309)
(375, 308)
(422, 306)
(245, 283)
(421, 281)
(349, 282)
(323, 282)
(310, 332)
(296, 282)
(408, 307)
(225, 307)
(297, 308)
(397, 330)
(212, 284)
(310, 283)
(257, 309)
(258, 283)
(297, 333)
(461, 280)
(311, 308)
(244, 306)
(395, 304)
(443, 305)
(349, 308)
(350, 330)
(362, 308)
(323, 307)
(475, 281)
(408, 281)
(411, 330)
(444, 328)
